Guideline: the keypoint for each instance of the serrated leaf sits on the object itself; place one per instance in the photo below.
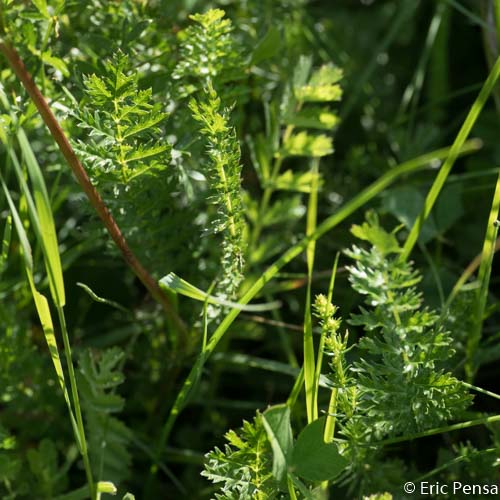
(296, 181)
(322, 86)
(146, 152)
(328, 74)
(143, 124)
(386, 243)
(313, 117)
(212, 16)
(312, 458)
(304, 144)
(319, 93)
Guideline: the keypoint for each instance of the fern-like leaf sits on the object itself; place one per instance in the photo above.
(108, 437)
(403, 386)
(223, 172)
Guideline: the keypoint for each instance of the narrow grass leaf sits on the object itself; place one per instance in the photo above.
(309, 358)
(456, 147)
(7, 233)
(102, 300)
(42, 307)
(46, 220)
(176, 284)
(484, 281)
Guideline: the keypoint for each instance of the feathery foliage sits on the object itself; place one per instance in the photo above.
(223, 173)
(209, 54)
(109, 438)
(403, 386)
(244, 467)
(123, 124)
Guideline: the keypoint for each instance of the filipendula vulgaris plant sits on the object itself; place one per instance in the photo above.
(128, 157)
(295, 126)
(401, 381)
(403, 388)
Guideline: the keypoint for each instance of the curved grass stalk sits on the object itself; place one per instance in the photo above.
(459, 141)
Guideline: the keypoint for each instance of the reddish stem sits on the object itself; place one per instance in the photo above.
(95, 199)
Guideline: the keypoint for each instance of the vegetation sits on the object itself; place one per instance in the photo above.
(248, 253)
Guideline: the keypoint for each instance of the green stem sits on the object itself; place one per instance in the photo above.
(438, 430)
(76, 402)
(487, 255)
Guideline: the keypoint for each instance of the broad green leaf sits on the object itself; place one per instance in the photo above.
(173, 282)
(296, 181)
(268, 47)
(405, 203)
(449, 207)
(276, 421)
(313, 459)
(304, 144)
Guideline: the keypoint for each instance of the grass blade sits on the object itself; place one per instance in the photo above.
(176, 284)
(46, 221)
(309, 357)
(460, 139)
(7, 233)
(42, 306)
(484, 281)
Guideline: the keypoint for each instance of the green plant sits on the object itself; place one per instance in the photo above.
(230, 151)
